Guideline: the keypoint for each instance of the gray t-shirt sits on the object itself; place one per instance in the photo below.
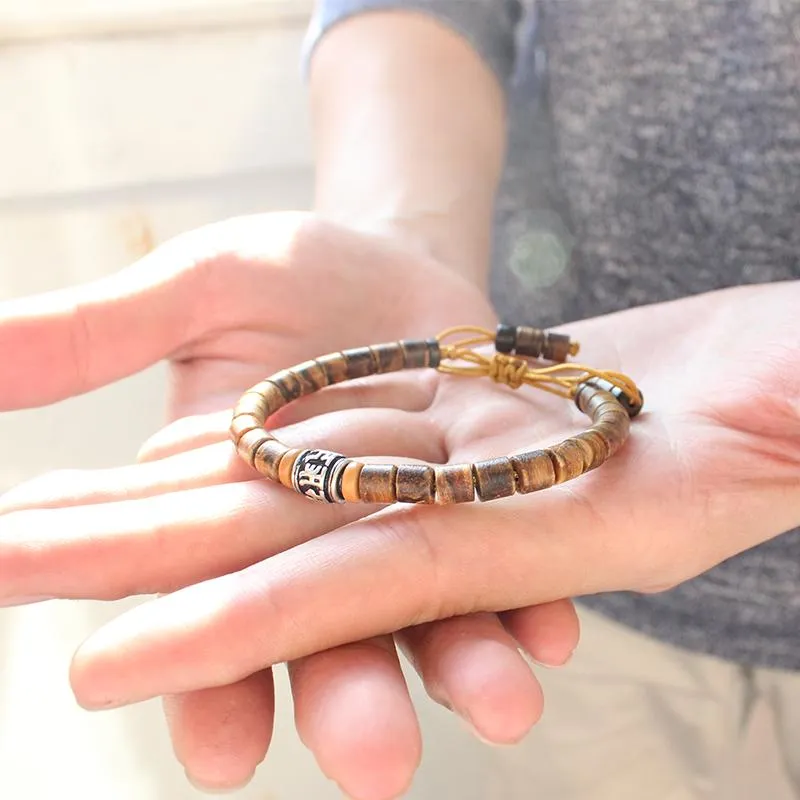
(654, 153)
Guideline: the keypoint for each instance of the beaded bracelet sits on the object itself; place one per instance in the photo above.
(609, 398)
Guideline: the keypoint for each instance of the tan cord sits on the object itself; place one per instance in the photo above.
(560, 379)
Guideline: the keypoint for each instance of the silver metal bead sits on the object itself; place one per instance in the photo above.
(316, 474)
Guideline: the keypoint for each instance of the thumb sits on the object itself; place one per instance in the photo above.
(71, 341)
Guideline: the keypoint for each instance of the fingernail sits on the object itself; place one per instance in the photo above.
(209, 789)
(7, 602)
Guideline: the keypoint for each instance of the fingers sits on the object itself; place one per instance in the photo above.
(164, 541)
(353, 711)
(471, 664)
(399, 392)
(382, 574)
(68, 342)
(548, 632)
(221, 735)
(369, 432)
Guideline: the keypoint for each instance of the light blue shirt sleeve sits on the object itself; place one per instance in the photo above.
(489, 25)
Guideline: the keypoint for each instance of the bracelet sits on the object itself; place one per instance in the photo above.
(610, 399)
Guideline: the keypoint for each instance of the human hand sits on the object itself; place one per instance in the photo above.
(228, 305)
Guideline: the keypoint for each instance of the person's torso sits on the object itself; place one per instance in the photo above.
(654, 153)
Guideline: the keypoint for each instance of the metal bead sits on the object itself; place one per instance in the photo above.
(316, 474)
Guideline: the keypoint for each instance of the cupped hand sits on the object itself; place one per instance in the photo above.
(228, 305)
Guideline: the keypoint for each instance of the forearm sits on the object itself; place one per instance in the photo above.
(409, 131)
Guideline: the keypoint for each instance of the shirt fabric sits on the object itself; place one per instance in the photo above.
(654, 153)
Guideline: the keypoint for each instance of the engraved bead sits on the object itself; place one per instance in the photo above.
(316, 474)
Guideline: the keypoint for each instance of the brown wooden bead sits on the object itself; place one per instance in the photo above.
(360, 362)
(613, 414)
(494, 478)
(534, 471)
(376, 483)
(556, 347)
(415, 483)
(249, 443)
(389, 357)
(335, 366)
(529, 341)
(613, 433)
(251, 404)
(288, 384)
(594, 403)
(568, 460)
(454, 484)
(350, 482)
(285, 467)
(244, 424)
(311, 376)
(421, 353)
(596, 445)
(267, 458)
(271, 394)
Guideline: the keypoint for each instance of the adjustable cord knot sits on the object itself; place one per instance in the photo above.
(507, 370)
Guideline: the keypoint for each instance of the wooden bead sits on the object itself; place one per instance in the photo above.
(415, 484)
(360, 362)
(350, 482)
(251, 404)
(529, 341)
(613, 433)
(376, 483)
(244, 424)
(454, 484)
(311, 376)
(389, 357)
(594, 401)
(271, 395)
(288, 384)
(494, 478)
(534, 471)
(421, 353)
(285, 466)
(335, 366)
(568, 460)
(596, 445)
(268, 456)
(556, 347)
(249, 443)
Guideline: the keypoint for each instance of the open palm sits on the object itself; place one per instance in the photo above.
(228, 305)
